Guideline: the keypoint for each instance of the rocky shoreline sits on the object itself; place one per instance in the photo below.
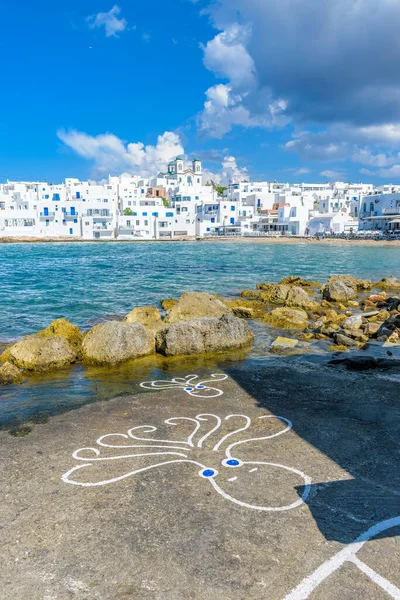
(344, 312)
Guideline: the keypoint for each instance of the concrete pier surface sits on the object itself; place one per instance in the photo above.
(252, 484)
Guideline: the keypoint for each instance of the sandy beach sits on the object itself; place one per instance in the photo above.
(221, 239)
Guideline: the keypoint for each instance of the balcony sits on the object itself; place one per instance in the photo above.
(97, 215)
(102, 228)
(391, 211)
(48, 215)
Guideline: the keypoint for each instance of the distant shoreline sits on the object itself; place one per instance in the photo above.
(221, 239)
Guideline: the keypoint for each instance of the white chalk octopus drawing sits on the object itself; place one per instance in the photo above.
(224, 453)
(190, 384)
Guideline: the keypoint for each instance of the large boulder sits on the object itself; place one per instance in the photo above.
(388, 283)
(192, 305)
(63, 328)
(34, 353)
(287, 318)
(273, 293)
(116, 341)
(353, 282)
(10, 374)
(204, 335)
(336, 290)
(149, 316)
(298, 298)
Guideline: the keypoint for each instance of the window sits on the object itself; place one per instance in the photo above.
(155, 214)
(137, 223)
(71, 231)
(75, 220)
(47, 222)
(208, 229)
(128, 223)
(144, 214)
(212, 220)
(146, 223)
(87, 223)
(232, 208)
(56, 196)
(232, 221)
(169, 214)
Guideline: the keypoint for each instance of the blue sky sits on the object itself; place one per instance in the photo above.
(290, 91)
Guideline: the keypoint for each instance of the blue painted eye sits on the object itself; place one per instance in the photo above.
(208, 473)
(188, 389)
(232, 462)
(200, 387)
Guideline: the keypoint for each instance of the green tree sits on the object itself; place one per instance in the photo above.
(128, 212)
(220, 189)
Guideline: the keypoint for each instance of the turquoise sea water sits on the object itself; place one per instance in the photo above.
(90, 282)
(86, 282)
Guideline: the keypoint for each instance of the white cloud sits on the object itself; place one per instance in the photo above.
(332, 174)
(338, 83)
(112, 24)
(227, 56)
(112, 155)
(392, 172)
(230, 172)
(302, 171)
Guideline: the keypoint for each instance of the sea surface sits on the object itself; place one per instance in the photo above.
(88, 283)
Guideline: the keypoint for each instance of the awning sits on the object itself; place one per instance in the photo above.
(395, 221)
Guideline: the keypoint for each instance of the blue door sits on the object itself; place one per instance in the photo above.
(71, 231)
(72, 210)
(46, 212)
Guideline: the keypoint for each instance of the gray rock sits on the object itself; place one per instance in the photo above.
(337, 291)
(353, 322)
(282, 344)
(344, 340)
(243, 312)
(10, 374)
(388, 283)
(192, 305)
(116, 341)
(204, 335)
(298, 298)
(287, 318)
(34, 353)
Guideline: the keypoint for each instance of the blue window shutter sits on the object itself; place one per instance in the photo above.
(212, 220)
(78, 194)
(208, 229)
(71, 231)
(144, 214)
(232, 208)
(232, 221)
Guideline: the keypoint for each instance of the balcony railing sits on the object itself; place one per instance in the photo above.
(47, 215)
(391, 211)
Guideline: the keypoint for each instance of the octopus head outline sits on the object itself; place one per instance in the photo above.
(224, 455)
